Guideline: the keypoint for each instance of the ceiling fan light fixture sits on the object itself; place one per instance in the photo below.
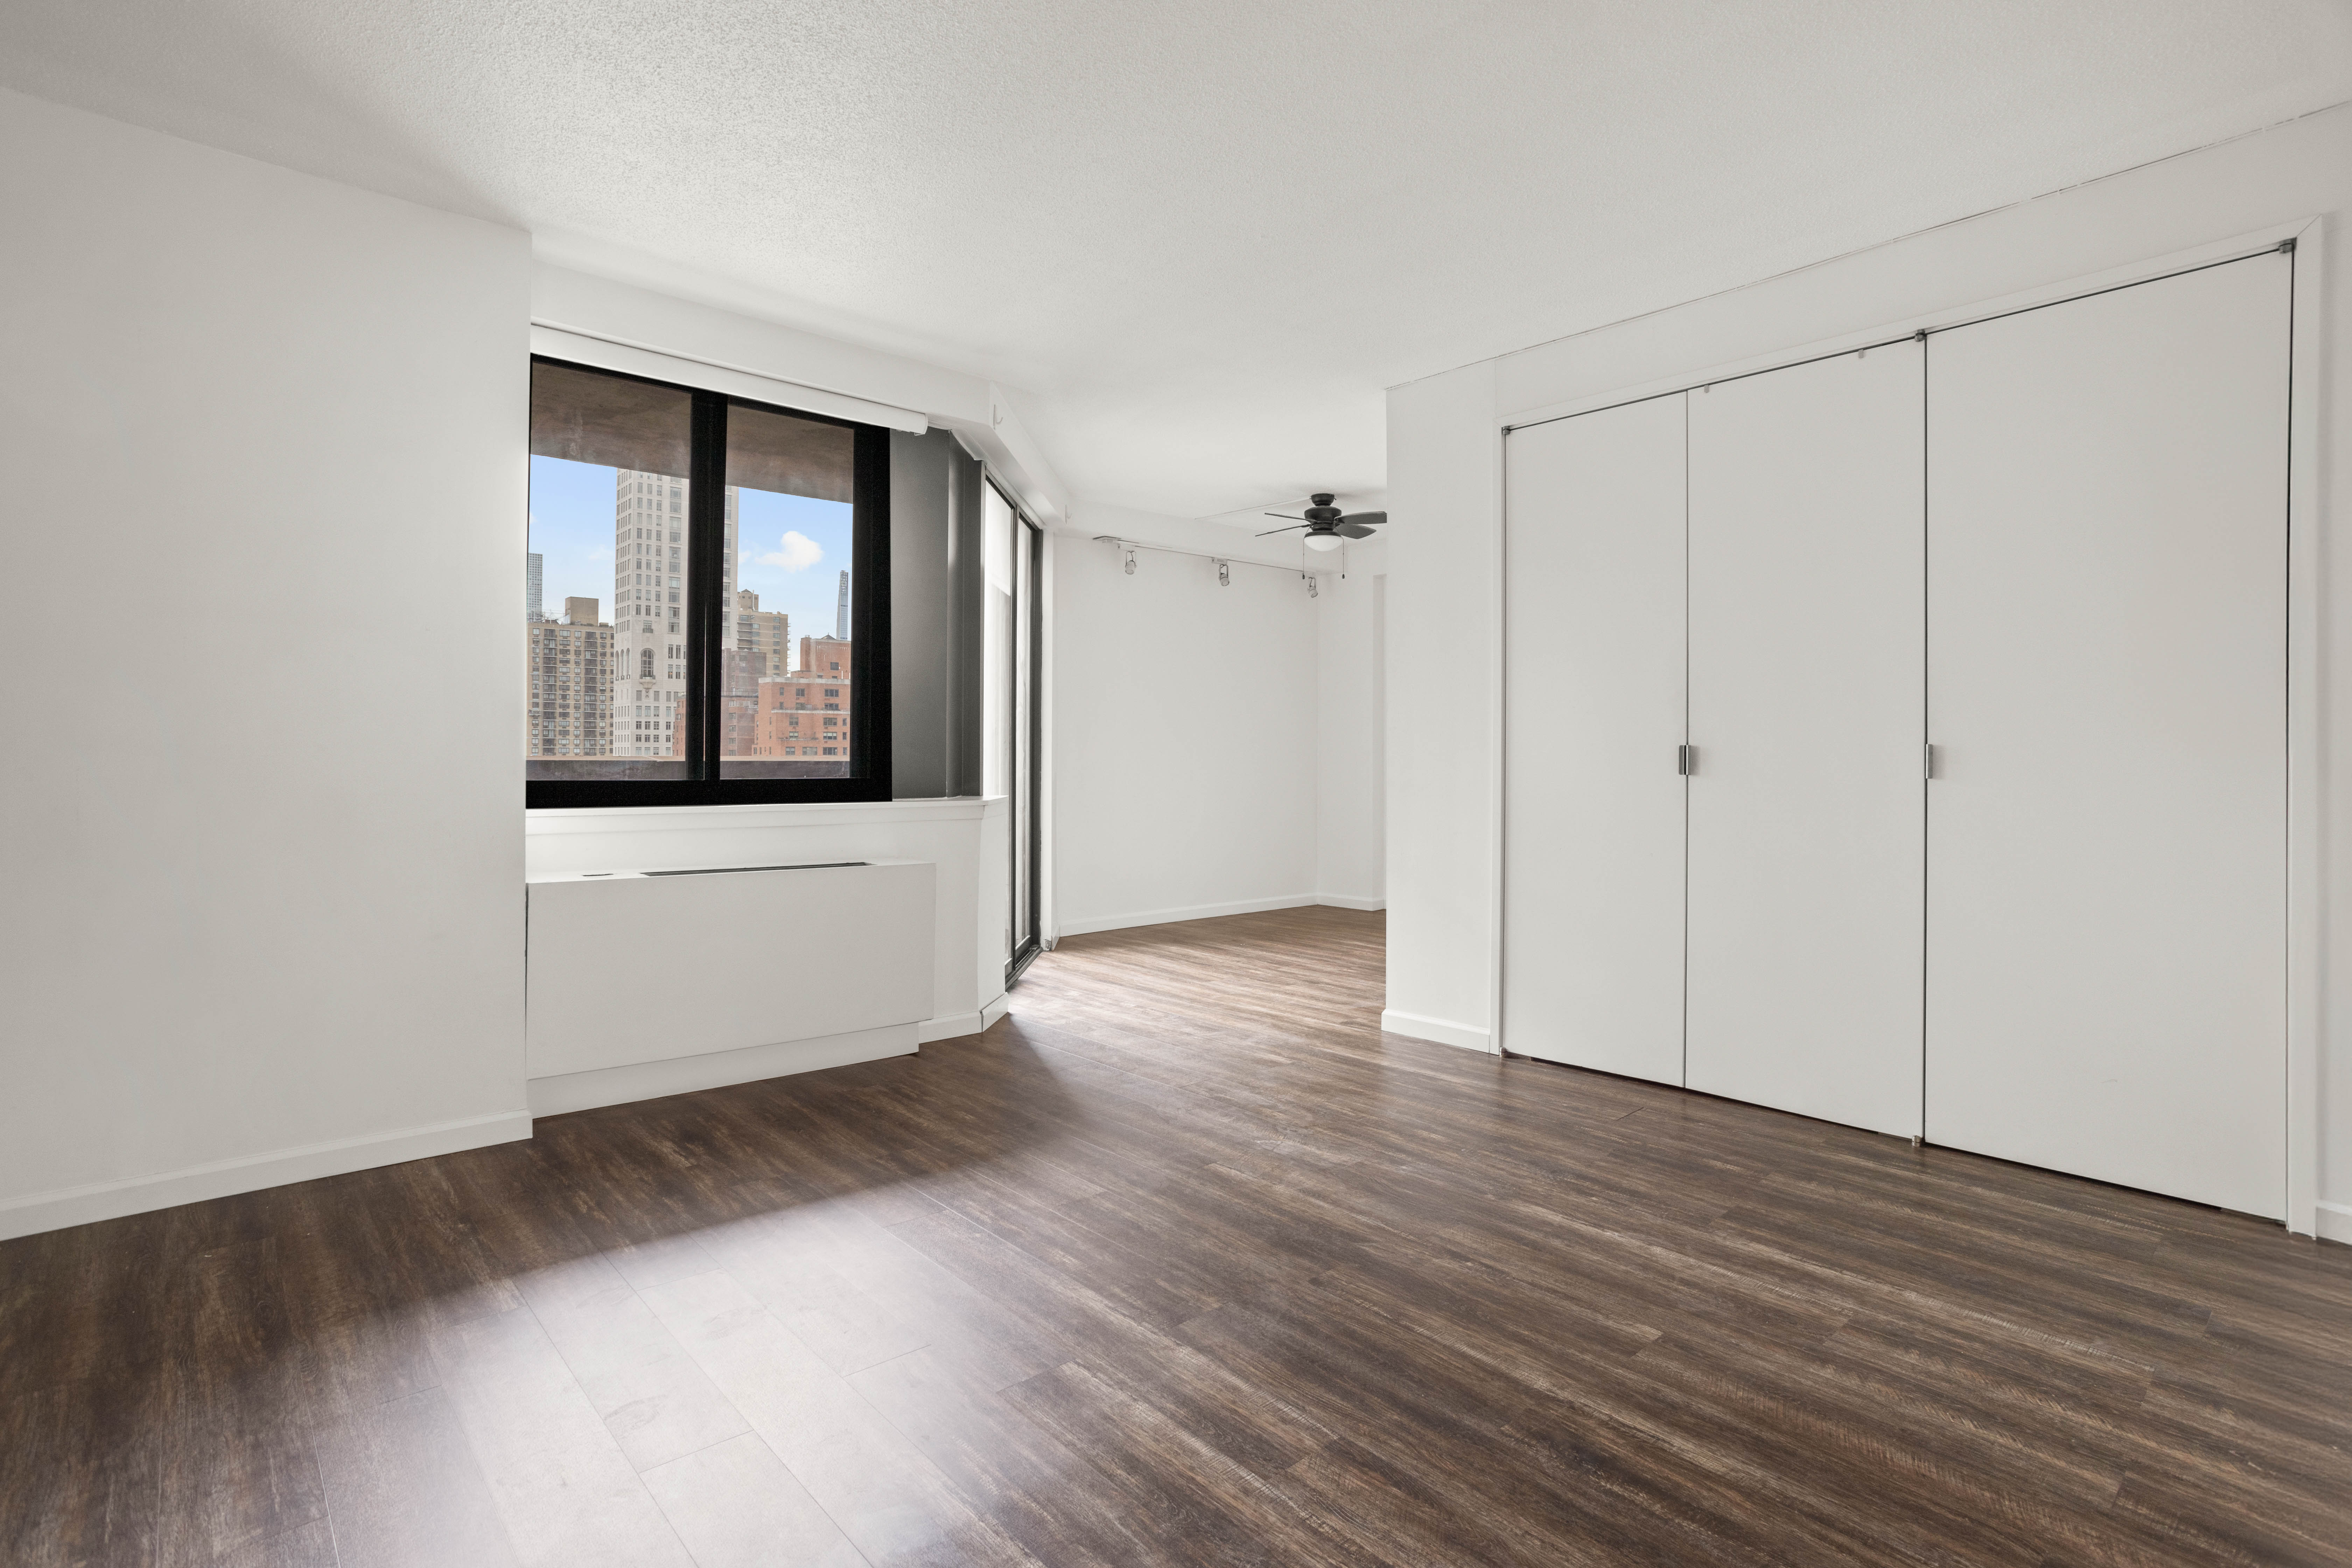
(1326, 526)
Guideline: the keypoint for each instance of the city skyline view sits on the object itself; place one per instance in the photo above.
(607, 677)
(791, 551)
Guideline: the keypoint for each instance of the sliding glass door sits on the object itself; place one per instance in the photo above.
(1014, 553)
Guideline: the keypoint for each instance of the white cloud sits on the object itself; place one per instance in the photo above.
(799, 553)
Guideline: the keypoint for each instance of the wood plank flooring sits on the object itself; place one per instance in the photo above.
(1182, 1263)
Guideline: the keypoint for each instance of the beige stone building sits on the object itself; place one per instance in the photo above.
(765, 635)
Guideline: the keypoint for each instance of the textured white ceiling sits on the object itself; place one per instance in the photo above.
(1202, 237)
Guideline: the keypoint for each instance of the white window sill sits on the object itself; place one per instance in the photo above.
(811, 814)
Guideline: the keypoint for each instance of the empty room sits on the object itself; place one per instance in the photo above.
(1042, 785)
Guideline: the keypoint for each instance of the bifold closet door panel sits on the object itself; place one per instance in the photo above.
(1593, 832)
(1807, 559)
(2107, 826)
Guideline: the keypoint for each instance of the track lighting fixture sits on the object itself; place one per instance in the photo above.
(1224, 563)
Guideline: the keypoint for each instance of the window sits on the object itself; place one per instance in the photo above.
(676, 502)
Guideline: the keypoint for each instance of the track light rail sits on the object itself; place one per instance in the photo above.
(1134, 545)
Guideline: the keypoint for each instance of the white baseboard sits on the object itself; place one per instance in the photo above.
(1349, 901)
(1189, 912)
(684, 1075)
(950, 1026)
(1443, 1031)
(2332, 1222)
(955, 1025)
(38, 1211)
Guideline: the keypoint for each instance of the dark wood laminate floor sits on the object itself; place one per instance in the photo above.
(1184, 1263)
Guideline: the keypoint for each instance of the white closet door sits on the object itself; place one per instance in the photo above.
(2107, 575)
(1807, 557)
(1593, 874)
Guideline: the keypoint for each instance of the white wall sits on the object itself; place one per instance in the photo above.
(263, 441)
(1184, 740)
(1350, 856)
(1444, 461)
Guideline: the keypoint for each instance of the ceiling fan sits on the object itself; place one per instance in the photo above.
(1326, 525)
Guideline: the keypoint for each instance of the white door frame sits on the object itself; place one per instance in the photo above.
(2305, 885)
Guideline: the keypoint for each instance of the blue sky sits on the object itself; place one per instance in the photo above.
(805, 591)
(792, 549)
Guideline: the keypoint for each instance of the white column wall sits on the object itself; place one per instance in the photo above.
(1445, 472)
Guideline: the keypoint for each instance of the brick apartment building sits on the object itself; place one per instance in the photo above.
(806, 714)
(569, 679)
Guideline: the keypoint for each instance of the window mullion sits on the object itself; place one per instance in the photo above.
(869, 610)
(705, 571)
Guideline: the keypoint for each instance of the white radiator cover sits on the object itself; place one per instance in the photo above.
(629, 970)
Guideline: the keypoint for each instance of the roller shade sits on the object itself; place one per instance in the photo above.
(635, 359)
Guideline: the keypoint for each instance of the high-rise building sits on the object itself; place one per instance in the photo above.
(841, 611)
(533, 586)
(738, 704)
(647, 724)
(571, 684)
(765, 635)
(650, 546)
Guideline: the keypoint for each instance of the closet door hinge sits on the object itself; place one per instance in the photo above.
(1686, 760)
(1927, 761)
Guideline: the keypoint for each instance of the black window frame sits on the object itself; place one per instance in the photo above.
(869, 625)
(1028, 935)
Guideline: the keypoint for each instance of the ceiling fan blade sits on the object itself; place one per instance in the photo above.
(1292, 529)
(1364, 520)
(1351, 529)
(1294, 518)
